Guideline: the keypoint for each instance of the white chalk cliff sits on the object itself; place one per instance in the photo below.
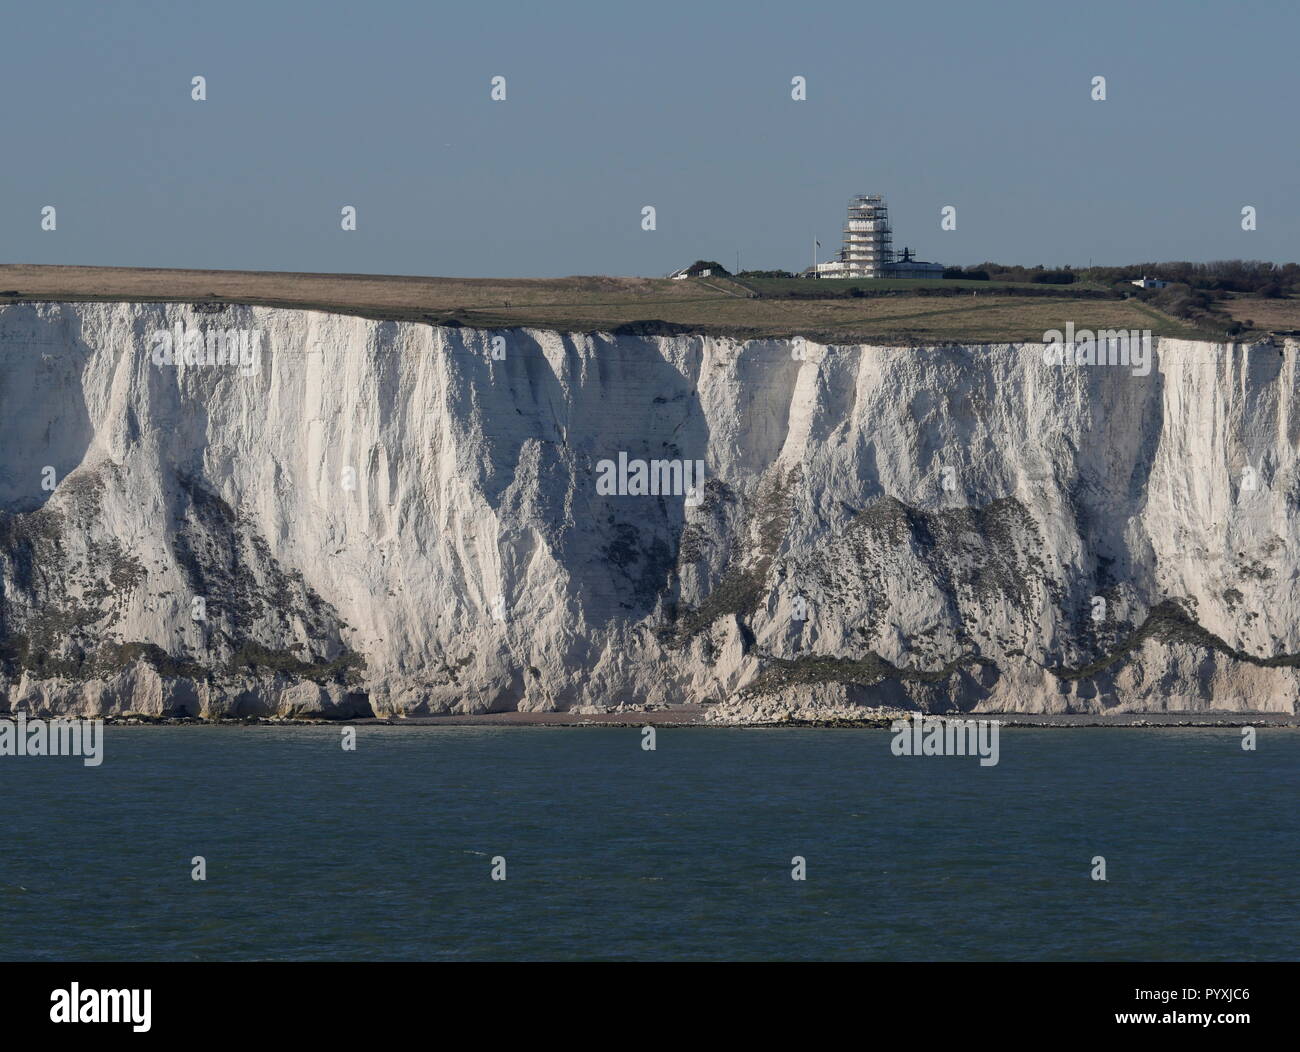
(950, 528)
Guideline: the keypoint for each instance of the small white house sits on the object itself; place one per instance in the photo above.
(1150, 283)
(698, 269)
(835, 268)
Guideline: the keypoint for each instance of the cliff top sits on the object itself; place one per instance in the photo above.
(892, 311)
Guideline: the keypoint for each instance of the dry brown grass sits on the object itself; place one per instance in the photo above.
(1280, 315)
(585, 304)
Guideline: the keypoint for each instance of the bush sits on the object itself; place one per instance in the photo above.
(1225, 275)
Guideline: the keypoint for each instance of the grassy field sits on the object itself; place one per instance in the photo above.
(894, 312)
(1279, 315)
(841, 286)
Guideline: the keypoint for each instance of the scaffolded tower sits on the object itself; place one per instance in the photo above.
(868, 241)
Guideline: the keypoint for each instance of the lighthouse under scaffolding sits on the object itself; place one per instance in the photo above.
(868, 250)
(868, 239)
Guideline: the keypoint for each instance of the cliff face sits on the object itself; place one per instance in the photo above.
(390, 517)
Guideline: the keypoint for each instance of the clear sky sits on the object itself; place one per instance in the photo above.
(612, 106)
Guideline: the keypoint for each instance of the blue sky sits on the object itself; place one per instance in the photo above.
(610, 107)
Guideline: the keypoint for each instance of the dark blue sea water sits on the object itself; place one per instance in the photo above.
(614, 853)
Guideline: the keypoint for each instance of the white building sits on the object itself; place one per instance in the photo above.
(835, 268)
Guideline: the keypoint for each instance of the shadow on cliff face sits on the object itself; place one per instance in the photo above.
(259, 617)
(45, 427)
(1112, 455)
(548, 427)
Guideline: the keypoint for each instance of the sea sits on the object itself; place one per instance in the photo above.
(581, 843)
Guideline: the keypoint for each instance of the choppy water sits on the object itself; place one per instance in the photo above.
(613, 852)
